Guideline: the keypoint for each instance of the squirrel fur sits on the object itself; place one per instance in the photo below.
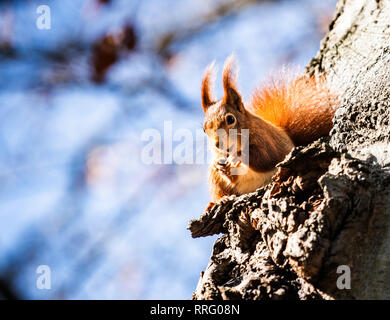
(279, 116)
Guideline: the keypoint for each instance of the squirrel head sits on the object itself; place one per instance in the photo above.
(225, 114)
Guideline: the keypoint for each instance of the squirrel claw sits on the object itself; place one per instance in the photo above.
(223, 200)
(220, 201)
(236, 164)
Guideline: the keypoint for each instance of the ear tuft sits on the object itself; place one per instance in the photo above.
(207, 87)
(230, 73)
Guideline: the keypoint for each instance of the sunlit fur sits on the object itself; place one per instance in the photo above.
(280, 115)
(303, 107)
(206, 88)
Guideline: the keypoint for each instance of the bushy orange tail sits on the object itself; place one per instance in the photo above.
(303, 107)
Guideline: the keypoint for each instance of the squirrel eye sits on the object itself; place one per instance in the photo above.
(230, 119)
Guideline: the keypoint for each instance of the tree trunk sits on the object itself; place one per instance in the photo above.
(327, 210)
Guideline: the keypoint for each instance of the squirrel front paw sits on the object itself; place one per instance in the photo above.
(225, 166)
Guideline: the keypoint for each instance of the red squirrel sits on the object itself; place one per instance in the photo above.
(279, 116)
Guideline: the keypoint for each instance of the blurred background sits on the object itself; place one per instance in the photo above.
(75, 194)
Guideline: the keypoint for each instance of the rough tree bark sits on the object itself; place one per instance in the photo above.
(329, 203)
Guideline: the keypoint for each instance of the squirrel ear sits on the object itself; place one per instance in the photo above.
(206, 88)
(232, 96)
